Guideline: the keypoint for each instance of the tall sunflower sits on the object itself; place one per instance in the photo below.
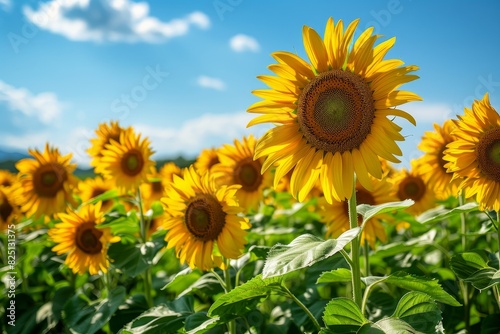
(206, 160)
(105, 133)
(93, 187)
(45, 183)
(237, 166)
(333, 113)
(167, 172)
(128, 161)
(85, 243)
(7, 179)
(336, 214)
(410, 184)
(203, 221)
(152, 189)
(9, 211)
(475, 154)
(433, 167)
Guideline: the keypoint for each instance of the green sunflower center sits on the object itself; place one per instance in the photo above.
(49, 179)
(247, 174)
(488, 154)
(336, 111)
(205, 217)
(5, 210)
(87, 238)
(411, 187)
(132, 162)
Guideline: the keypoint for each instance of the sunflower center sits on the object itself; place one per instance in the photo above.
(247, 173)
(49, 179)
(442, 162)
(204, 217)
(132, 162)
(488, 154)
(336, 111)
(411, 188)
(5, 210)
(6, 183)
(87, 238)
(213, 161)
(157, 187)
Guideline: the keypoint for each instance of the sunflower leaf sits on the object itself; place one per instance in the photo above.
(478, 267)
(243, 298)
(160, 319)
(342, 315)
(439, 214)
(304, 251)
(340, 275)
(369, 211)
(419, 310)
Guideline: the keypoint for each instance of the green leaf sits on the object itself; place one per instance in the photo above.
(134, 259)
(369, 211)
(207, 284)
(160, 319)
(131, 309)
(389, 326)
(490, 324)
(439, 214)
(89, 318)
(474, 267)
(415, 283)
(61, 296)
(243, 298)
(199, 323)
(108, 195)
(341, 275)
(303, 252)
(342, 315)
(419, 310)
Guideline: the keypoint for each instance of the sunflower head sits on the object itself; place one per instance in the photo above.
(206, 160)
(333, 111)
(128, 161)
(7, 179)
(167, 172)
(237, 166)
(474, 155)
(9, 211)
(105, 133)
(93, 187)
(434, 167)
(410, 184)
(203, 220)
(152, 189)
(46, 182)
(78, 236)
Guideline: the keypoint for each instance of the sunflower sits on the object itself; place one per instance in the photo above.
(9, 211)
(105, 133)
(127, 161)
(332, 113)
(433, 171)
(203, 221)
(410, 184)
(7, 179)
(336, 214)
(237, 166)
(167, 172)
(152, 189)
(46, 183)
(206, 160)
(93, 187)
(78, 236)
(474, 157)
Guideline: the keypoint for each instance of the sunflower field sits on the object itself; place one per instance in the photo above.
(307, 229)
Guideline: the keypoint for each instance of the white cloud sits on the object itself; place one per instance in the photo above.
(110, 20)
(209, 130)
(242, 43)
(44, 106)
(212, 83)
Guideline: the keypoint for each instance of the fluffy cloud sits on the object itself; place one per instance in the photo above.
(213, 83)
(242, 43)
(44, 106)
(114, 20)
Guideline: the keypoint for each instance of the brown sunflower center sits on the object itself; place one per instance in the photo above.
(411, 187)
(247, 173)
(336, 111)
(488, 154)
(132, 162)
(441, 161)
(6, 183)
(5, 210)
(87, 238)
(49, 179)
(204, 217)
(157, 187)
(362, 197)
(214, 160)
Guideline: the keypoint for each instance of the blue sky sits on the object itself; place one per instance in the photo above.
(182, 72)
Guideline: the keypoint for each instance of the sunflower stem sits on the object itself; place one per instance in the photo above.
(144, 233)
(355, 267)
(231, 326)
(302, 306)
(463, 285)
(367, 258)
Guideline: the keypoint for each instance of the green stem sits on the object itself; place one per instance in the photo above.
(231, 326)
(355, 268)
(463, 285)
(367, 258)
(346, 257)
(302, 306)
(221, 281)
(144, 238)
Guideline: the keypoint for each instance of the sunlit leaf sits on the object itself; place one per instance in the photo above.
(440, 213)
(419, 310)
(477, 268)
(369, 211)
(341, 275)
(342, 315)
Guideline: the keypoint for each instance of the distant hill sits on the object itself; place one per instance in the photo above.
(6, 154)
